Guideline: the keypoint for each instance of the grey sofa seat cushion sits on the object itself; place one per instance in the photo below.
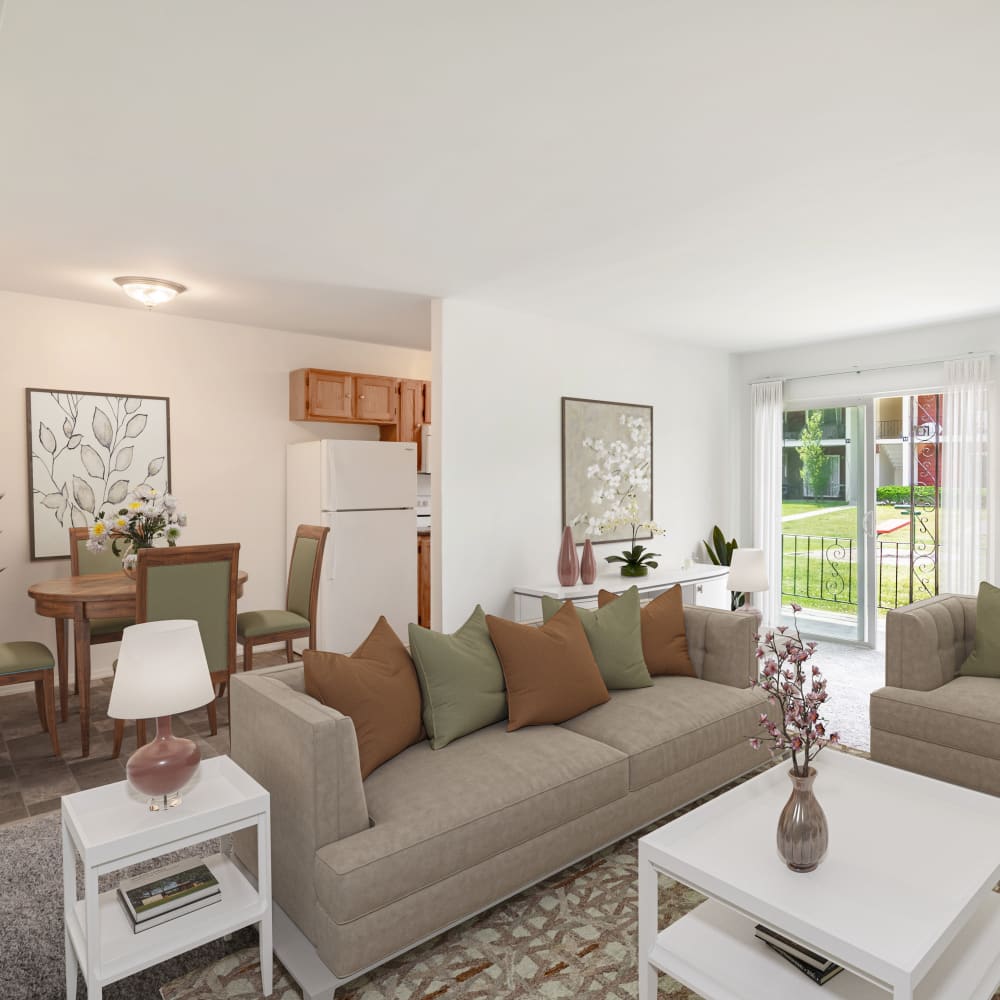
(438, 812)
(963, 714)
(672, 725)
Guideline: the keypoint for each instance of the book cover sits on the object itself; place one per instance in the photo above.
(769, 936)
(162, 918)
(145, 897)
(816, 975)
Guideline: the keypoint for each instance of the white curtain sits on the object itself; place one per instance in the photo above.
(767, 410)
(965, 553)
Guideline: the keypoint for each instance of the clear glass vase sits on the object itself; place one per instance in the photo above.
(803, 835)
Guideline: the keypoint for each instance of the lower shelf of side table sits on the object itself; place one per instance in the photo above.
(123, 952)
(713, 951)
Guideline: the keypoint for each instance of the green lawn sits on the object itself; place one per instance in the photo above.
(835, 574)
(807, 506)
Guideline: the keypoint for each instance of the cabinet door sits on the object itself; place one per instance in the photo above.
(424, 580)
(329, 395)
(427, 403)
(411, 410)
(375, 398)
(713, 594)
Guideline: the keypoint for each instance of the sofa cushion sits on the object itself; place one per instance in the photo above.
(963, 714)
(251, 624)
(461, 679)
(550, 672)
(664, 636)
(377, 687)
(984, 660)
(615, 636)
(672, 725)
(438, 812)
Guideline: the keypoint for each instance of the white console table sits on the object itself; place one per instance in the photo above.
(702, 584)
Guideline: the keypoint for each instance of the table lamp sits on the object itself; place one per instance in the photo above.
(161, 671)
(748, 571)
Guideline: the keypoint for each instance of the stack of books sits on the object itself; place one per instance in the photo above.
(819, 969)
(155, 898)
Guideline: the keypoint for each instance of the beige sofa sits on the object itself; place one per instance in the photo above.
(926, 719)
(365, 870)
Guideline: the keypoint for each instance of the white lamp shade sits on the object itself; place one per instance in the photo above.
(748, 571)
(161, 670)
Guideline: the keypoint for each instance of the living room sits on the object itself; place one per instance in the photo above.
(643, 204)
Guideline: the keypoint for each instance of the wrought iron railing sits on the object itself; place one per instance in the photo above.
(888, 429)
(824, 568)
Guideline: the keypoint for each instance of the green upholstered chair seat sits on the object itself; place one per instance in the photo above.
(105, 626)
(21, 657)
(251, 624)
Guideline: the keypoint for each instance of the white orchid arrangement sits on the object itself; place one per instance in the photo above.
(146, 516)
(623, 470)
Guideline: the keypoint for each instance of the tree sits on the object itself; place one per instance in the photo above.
(815, 461)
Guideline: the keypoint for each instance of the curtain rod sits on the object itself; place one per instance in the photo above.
(875, 368)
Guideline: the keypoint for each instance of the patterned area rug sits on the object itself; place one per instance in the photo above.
(573, 935)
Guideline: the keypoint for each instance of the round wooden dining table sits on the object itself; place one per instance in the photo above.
(83, 599)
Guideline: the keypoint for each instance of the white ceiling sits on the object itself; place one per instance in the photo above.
(746, 174)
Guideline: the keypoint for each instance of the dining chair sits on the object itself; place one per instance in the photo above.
(298, 620)
(83, 562)
(190, 582)
(25, 662)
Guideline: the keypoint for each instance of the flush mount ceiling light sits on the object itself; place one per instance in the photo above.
(149, 291)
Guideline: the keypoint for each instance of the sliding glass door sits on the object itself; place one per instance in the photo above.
(827, 519)
(860, 520)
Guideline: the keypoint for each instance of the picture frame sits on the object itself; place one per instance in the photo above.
(88, 451)
(585, 468)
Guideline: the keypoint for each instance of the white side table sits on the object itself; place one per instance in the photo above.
(111, 827)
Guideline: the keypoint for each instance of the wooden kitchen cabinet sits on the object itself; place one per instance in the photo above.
(375, 398)
(424, 580)
(411, 409)
(398, 406)
(324, 396)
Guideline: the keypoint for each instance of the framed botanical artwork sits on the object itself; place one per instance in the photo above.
(87, 451)
(607, 476)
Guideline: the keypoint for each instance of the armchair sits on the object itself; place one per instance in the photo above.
(928, 719)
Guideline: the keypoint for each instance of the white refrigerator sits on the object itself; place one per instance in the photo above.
(364, 492)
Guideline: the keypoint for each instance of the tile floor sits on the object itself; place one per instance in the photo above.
(32, 780)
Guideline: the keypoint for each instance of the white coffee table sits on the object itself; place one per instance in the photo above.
(903, 900)
(111, 827)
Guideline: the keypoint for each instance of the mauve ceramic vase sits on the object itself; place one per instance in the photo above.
(588, 564)
(568, 568)
(802, 831)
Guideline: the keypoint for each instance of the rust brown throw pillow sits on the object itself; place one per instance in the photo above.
(377, 687)
(664, 638)
(550, 672)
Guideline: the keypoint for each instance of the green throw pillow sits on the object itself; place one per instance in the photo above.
(984, 660)
(461, 679)
(615, 636)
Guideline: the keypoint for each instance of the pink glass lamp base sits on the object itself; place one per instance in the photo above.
(162, 768)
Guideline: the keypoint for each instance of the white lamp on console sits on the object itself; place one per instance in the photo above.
(748, 572)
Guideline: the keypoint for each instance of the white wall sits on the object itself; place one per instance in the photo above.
(900, 361)
(228, 390)
(499, 377)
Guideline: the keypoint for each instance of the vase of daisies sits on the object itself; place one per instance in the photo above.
(147, 516)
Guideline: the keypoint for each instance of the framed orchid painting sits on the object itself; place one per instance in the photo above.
(607, 477)
(87, 451)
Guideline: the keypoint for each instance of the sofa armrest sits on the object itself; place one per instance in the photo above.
(722, 644)
(306, 756)
(926, 642)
